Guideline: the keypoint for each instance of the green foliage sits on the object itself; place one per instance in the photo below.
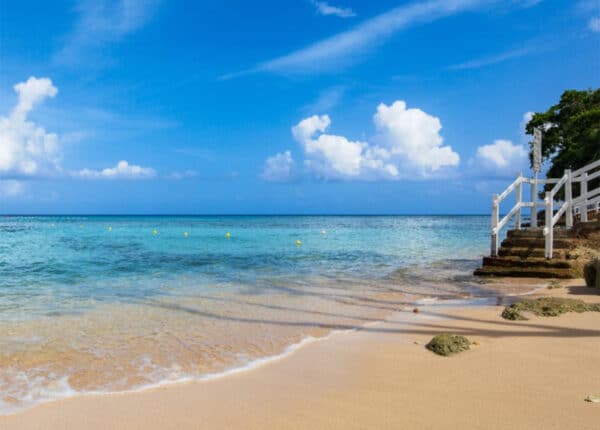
(448, 344)
(547, 307)
(591, 272)
(571, 137)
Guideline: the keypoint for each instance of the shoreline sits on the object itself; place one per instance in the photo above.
(398, 327)
(290, 349)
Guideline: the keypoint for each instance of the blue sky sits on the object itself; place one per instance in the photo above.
(345, 106)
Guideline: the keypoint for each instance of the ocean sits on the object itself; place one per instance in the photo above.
(96, 304)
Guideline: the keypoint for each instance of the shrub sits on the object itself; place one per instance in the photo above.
(591, 271)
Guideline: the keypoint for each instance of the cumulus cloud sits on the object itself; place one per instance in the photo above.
(413, 138)
(406, 145)
(123, 170)
(325, 8)
(11, 188)
(279, 168)
(501, 158)
(26, 148)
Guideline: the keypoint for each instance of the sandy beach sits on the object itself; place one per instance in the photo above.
(519, 375)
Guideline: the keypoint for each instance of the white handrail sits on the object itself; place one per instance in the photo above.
(587, 168)
(551, 218)
(579, 205)
(498, 224)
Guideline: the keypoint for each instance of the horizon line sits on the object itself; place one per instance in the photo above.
(230, 214)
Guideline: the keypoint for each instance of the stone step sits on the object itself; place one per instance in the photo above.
(523, 272)
(529, 252)
(538, 233)
(526, 262)
(533, 242)
(586, 227)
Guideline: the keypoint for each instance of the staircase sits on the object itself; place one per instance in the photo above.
(546, 251)
(521, 254)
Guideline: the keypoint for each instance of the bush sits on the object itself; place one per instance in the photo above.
(591, 271)
(448, 344)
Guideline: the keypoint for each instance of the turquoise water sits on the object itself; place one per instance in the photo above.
(104, 304)
(69, 264)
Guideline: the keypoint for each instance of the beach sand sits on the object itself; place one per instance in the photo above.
(530, 374)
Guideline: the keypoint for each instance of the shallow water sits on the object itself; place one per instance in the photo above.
(97, 304)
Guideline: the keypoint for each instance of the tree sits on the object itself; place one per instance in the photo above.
(571, 136)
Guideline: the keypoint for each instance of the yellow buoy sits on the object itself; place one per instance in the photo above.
(298, 242)
(228, 235)
(155, 232)
(109, 228)
(185, 234)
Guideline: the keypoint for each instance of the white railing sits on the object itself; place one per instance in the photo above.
(516, 211)
(551, 218)
(587, 199)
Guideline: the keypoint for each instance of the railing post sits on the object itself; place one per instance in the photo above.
(534, 188)
(548, 228)
(584, 190)
(569, 198)
(519, 194)
(495, 220)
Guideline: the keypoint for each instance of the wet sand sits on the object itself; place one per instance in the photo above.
(521, 375)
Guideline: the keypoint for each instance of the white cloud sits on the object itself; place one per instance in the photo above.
(123, 170)
(183, 175)
(325, 8)
(523, 124)
(346, 48)
(591, 9)
(407, 144)
(412, 137)
(326, 100)
(11, 188)
(328, 156)
(26, 149)
(279, 168)
(502, 158)
(102, 22)
(494, 59)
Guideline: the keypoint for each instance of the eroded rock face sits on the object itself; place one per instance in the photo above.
(448, 344)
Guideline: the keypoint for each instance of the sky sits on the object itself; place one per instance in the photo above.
(271, 107)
